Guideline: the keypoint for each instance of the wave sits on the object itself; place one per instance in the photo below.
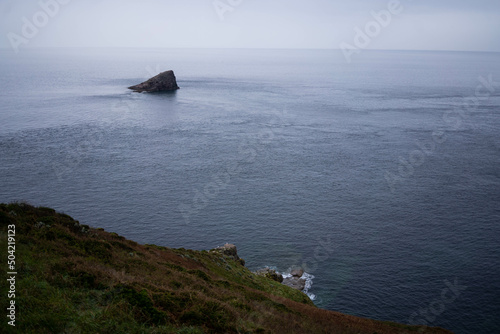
(309, 282)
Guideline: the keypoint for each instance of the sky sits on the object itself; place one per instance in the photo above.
(461, 25)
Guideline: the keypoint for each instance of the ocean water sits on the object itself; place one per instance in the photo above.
(380, 177)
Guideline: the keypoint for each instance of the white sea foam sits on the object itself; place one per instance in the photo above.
(309, 282)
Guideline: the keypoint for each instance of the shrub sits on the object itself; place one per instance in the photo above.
(200, 274)
(147, 313)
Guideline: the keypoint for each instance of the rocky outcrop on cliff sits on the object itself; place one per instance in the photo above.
(164, 81)
(270, 273)
(230, 250)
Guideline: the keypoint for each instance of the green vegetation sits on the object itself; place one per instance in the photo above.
(75, 279)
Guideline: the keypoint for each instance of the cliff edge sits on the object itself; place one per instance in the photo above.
(72, 278)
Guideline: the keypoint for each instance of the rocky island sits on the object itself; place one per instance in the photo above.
(72, 278)
(162, 82)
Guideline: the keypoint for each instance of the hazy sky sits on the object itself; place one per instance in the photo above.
(414, 24)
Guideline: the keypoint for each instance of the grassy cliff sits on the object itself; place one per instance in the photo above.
(75, 279)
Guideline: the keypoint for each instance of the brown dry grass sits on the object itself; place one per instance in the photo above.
(91, 280)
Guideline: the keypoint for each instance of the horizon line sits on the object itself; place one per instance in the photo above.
(240, 48)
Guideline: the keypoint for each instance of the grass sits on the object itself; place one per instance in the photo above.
(76, 279)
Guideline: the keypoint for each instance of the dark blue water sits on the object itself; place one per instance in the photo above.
(380, 177)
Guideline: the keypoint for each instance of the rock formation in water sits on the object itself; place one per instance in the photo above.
(295, 280)
(164, 81)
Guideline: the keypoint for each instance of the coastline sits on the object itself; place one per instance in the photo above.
(67, 271)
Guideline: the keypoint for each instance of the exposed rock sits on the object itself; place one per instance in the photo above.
(271, 274)
(230, 251)
(295, 280)
(297, 272)
(164, 81)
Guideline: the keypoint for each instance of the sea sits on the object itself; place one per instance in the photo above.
(379, 176)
